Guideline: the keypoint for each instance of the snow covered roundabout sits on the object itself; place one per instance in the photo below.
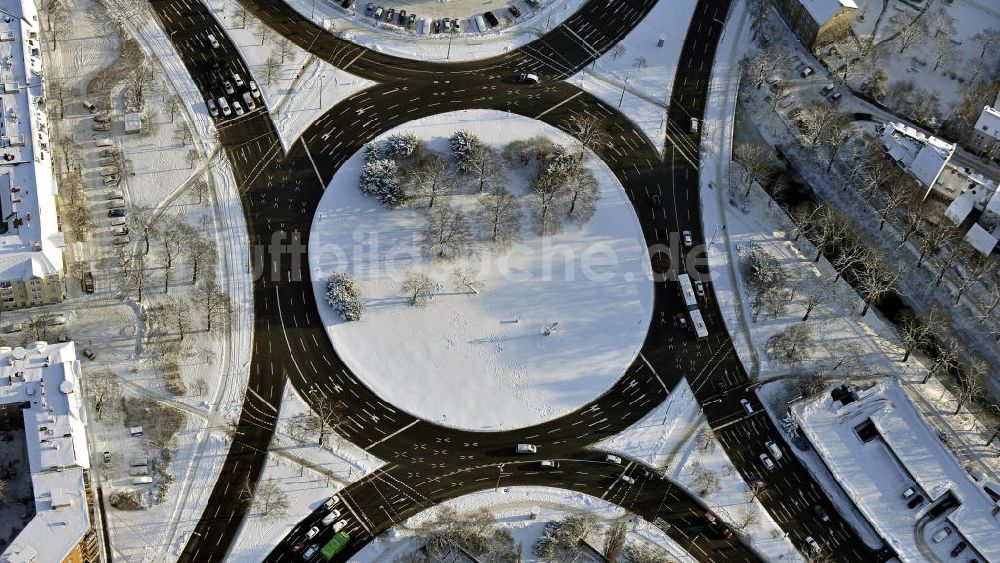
(502, 335)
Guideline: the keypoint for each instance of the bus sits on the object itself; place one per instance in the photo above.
(334, 545)
(690, 300)
(698, 323)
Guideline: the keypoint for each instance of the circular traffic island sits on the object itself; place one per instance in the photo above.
(468, 316)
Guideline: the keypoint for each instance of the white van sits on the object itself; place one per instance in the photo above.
(774, 449)
(527, 449)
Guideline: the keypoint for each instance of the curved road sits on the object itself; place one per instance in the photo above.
(427, 463)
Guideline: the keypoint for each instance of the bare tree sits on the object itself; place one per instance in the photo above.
(895, 194)
(991, 303)
(104, 390)
(429, 179)
(746, 517)
(946, 356)
(271, 68)
(547, 191)
(259, 29)
(500, 213)
(466, 280)
(937, 236)
(945, 52)
(852, 252)
(639, 62)
(756, 161)
(617, 51)
(418, 288)
(977, 267)
(322, 422)
(988, 40)
(172, 241)
(972, 382)
(201, 252)
(269, 499)
(762, 62)
(285, 49)
(830, 228)
(446, 234)
(910, 33)
(705, 482)
(213, 301)
(816, 120)
(814, 300)
(791, 346)
(582, 193)
(137, 277)
(875, 279)
(142, 220)
(589, 132)
(180, 317)
(483, 165)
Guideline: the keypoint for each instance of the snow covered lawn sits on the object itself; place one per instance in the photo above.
(482, 361)
(641, 70)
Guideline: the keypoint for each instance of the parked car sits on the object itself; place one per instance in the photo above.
(330, 502)
(767, 462)
(228, 86)
(347, 4)
(941, 534)
(491, 19)
(339, 526)
(694, 124)
(377, 14)
(88, 282)
(959, 548)
(389, 14)
(825, 90)
(821, 514)
(116, 212)
(370, 9)
(456, 26)
(411, 21)
(514, 11)
(309, 553)
(401, 18)
(700, 288)
(445, 25)
(774, 449)
(329, 518)
(811, 544)
(806, 72)
(248, 100)
(915, 501)
(107, 457)
(238, 107)
(312, 532)
(909, 492)
(835, 97)
(89, 354)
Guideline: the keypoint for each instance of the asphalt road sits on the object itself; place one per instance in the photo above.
(427, 463)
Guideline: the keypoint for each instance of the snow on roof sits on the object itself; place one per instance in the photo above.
(822, 10)
(46, 376)
(989, 122)
(924, 156)
(31, 244)
(981, 239)
(959, 209)
(874, 473)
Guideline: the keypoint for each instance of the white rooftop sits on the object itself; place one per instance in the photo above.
(981, 239)
(989, 122)
(31, 243)
(823, 10)
(47, 377)
(922, 155)
(875, 473)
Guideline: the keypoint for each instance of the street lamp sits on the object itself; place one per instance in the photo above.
(450, 37)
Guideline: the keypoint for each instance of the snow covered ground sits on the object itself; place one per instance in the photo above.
(307, 473)
(514, 508)
(482, 361)
(303, 88)
(917, 62)
(643, 72)
(469, 45)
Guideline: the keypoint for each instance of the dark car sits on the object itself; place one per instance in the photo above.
(456, 27)
(90, 354)
(401, 18)
(390, 14)
(346, 4)
(491, 19)
(821, 514)
(914, 502)
(107, 457)
(116, 212)
(370, 9)
(88, 282)
(435, 26)
(411, 21)
(514, 11)
(958, 549)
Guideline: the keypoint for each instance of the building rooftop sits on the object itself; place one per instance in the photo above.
(30, 241)
(981, 239)
(46, 377)
(989, 122)
(922, 155)
(823, 10)
(874, 473)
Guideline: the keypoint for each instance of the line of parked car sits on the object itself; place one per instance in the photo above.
(408, 21)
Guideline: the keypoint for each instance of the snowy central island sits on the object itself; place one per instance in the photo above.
(549, 323)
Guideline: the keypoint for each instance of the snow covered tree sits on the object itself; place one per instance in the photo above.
(465, 145)
(400, 145)
(269, 499)
(875, 279)
(534, 150)
(446, 234)
(428, 179)
(466, 280)
(582, 193)
(418, 288)
(548, 190)
(589, 132)
(499, 213)
(379, 178)
(344, 294)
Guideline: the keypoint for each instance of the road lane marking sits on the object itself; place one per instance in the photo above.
(557, 105)
(373, 444)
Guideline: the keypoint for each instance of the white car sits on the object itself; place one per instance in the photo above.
(747, 406)
(238, 79)
(687, 238)
(700, 288)
(248, 100)
(627, 479)
(767, 462)
(694, 124)
(527, 449)
(339, 526)
(238, 107)
(330, 502)
(213, 109)
(229, 87)
(329, 518)
(809, 541)
(312, 532)
(213, 41)
(254, 89)
(612, 458)
(941, 534)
